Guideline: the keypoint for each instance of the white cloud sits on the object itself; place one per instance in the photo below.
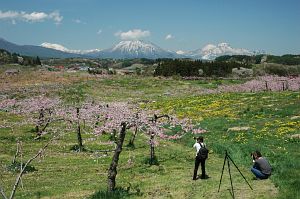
(8, 14)
(34, 16)
(169, 36)
(31, 17)
(79, 21)
(56, 17)
(99, 32)
(133, 34)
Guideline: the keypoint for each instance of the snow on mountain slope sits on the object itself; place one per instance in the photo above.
(142, 49)
(211, 51)
(64, 49)
(136, 49)
(31, 50)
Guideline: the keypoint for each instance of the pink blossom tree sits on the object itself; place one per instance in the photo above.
(115, 115)
(115, 118)
(264, 83)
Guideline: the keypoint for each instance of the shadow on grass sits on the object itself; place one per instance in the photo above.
(117, 194)
(130, 146)
(16, 167)
(153, 161)
(76, 148)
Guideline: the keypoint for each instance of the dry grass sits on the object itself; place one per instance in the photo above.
(41, 78)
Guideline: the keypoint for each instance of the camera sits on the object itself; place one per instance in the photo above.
(252, 155)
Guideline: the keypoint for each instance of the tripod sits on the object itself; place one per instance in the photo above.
(227, 157)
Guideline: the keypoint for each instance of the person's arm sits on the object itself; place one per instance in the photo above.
(256, 165)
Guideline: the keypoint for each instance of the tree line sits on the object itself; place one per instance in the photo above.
(284, 59)
(10, 58)
(257, 59)
(186, 67)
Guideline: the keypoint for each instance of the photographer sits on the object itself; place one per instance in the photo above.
(261, 168)
(201, 156)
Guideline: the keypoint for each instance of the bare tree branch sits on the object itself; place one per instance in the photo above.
(26, 164)
(48, 123)
(20, 146)
(17, 152)
(155, 117)
(2, 193)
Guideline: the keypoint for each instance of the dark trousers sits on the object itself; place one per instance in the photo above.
(197, 163)
(259, 174)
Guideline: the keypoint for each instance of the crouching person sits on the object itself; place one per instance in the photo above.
(261, 167)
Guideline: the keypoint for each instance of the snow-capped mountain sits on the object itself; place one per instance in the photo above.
(142, 49)
(211, 51)
(125, 49)
(64, 49)
(136, 49)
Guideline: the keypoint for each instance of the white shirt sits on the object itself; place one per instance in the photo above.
(198, 146)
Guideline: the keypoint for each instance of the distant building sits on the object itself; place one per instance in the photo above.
(59, 67)
(125, 72)
(12, 72)
(20, 60)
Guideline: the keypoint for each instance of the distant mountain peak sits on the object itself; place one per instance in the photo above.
(54, 46)
(180, 52)
(208, 47)
(224, 44)
(135, 45)
(211, 51)
(136, 49)
(64, 49)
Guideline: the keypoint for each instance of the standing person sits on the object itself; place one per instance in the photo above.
(261, 168)
(200, 157)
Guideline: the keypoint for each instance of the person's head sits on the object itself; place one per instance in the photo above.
(257, 154)
(200, 139)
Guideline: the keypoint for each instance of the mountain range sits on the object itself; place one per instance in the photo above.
(211, 51)
(31, 50)
(125, 50)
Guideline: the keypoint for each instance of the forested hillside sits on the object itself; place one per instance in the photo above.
(9, 58)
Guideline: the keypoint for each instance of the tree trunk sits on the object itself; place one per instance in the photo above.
(79, 138)
(40, 122)
(267, 88)
(131, 142)
(112, 171)
(152, 149)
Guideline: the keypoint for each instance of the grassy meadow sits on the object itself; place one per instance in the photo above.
(237, 122)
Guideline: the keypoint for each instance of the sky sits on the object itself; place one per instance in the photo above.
(269, 25)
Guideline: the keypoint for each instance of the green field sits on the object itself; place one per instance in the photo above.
(237, 122)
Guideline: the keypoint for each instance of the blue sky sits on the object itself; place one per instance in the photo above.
(270, 25)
